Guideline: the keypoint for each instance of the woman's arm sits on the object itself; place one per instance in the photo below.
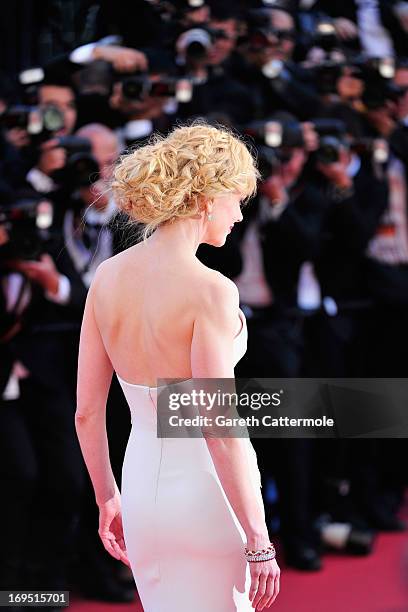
(94, 379)
(212, 357)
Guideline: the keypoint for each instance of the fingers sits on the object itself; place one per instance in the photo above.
(128, 60)
(269, 591)
(111, 534)
(276, 589)
(253, 588)
(113, 548)
(107, 541)
(121, 551)
(260, 590)
(265, 585)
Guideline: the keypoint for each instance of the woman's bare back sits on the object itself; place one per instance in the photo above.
(145, 307)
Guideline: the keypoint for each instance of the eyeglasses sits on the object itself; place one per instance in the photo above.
(285, 34)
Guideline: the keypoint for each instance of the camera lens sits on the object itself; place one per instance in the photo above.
(329, 150)
(53, 119)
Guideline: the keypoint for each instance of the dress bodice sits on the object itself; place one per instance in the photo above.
(141, 397)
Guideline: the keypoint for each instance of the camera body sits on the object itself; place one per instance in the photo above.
(27, 222)
(139, 86)
(274, 141)
(331, 134)
(196, 42)
(39, 122)
(81, 168)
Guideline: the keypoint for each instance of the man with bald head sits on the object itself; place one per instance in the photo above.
(90, 232)
(105, 146)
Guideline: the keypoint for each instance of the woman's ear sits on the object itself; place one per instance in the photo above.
(210, 205)
(205, 205)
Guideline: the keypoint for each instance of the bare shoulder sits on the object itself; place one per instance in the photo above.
(217, 292)
(107, 271)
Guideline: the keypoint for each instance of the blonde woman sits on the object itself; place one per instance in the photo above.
(190, 520)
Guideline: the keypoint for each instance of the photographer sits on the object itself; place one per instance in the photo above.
(207, 56)
(125, 89)
(92, 233)
(268, 70)
(45, 459)
(353, 179)
(58, 93)
(356, 188)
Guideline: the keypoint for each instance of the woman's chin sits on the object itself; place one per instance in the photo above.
(218, 240)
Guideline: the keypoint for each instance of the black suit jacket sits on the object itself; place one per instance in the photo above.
(48, 342)
(348, 227)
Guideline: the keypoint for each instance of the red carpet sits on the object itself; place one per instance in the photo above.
(377, 583)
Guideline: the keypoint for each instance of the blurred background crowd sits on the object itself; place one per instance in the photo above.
(320, 90)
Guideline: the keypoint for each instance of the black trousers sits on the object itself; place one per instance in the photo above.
(363, 343)
(276, 349)
(42, 477)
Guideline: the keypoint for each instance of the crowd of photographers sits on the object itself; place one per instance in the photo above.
(320, 91)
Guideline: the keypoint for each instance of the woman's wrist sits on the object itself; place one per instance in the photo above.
(257, 541)
(108, 496)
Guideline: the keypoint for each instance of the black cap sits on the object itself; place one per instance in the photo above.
(60, 71)
(224, 9)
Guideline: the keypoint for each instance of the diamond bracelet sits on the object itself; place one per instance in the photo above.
(260, 555)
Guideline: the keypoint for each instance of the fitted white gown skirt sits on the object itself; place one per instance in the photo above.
(184, 542)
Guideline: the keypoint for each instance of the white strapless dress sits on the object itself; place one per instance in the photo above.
(184, 542)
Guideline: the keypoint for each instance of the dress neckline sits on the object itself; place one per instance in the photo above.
(125, 382)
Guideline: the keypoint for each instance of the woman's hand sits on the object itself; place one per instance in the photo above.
(111, 529)
(265, 576)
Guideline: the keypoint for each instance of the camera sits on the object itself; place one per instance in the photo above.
(376, 148)
(27, 222)
(329, 150)
(377, 92)
(331, 139)
(325, 75)
(139, 86)
(37, 121)
(274, 143)
(325, 35)
(81, 168)
(196, 42)
(275, 134)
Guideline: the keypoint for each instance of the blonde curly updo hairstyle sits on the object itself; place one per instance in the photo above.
(168, 178)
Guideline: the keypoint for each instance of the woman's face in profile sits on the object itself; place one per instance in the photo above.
(226, 211)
